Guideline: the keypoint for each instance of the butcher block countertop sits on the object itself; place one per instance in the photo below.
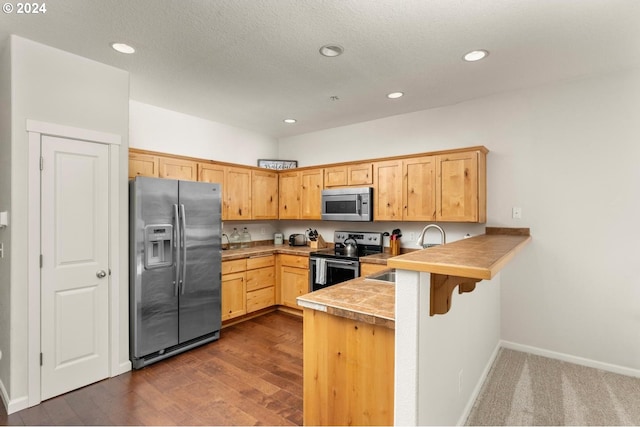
(479, 257)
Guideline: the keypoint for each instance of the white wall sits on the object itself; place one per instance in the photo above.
(53, 86)
(5, 205)
(157, 129)
(568, 154)
(442, 360)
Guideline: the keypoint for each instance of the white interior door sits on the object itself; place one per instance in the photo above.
(75, 264)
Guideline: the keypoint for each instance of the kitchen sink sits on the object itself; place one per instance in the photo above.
(384, 276)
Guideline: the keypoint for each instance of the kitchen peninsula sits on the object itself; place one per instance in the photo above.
(362, 338)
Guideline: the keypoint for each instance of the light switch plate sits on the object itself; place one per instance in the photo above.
(516, 213)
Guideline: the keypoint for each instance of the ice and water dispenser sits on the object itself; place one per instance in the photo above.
(158, 246)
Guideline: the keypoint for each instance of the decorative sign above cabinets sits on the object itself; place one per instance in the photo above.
(277, 164)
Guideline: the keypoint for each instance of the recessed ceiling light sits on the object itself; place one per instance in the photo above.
(395, 95)
(331, 50)
(290, 121)
(123, 48)
(475, 55)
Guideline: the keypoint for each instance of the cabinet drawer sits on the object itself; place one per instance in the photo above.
(294, 261)
(260, 262)
(261, 298)
(261, 278)
(235, 266)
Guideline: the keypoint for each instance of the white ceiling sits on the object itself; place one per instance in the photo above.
(252, 63)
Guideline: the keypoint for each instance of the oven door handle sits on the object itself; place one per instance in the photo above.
(335, 261)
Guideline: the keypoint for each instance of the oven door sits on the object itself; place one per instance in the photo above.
(335, 271)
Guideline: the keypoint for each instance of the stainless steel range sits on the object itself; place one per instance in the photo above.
(332, 266)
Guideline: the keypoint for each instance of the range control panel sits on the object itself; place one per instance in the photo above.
(361, 237)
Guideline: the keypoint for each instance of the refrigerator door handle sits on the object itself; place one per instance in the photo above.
(183, 233)
(176, 283)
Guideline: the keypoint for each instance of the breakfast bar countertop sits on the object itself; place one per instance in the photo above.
(373, 301)
(479, 257)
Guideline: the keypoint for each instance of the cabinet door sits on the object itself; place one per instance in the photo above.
(294, 282)
(143, 165)
(360, 174)
(368, 269)
(261, 278)
(457, 189)
(311, 195)
(233, 295)
(419, 189)
(178, 169)
(388, 190)
(264, 194)
(238, 193)
(261, 298)
(289, 195)
(335, 176)
(211, 172)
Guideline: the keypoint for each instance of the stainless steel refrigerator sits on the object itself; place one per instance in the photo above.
(175, 267)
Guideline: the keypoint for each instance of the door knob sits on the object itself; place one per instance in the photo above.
(101, 273)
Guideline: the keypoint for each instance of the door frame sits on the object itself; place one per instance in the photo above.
(35, 130)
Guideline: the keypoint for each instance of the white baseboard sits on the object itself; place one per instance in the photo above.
(478, 387)
(14, 405)
(122, 368)
(617, 369)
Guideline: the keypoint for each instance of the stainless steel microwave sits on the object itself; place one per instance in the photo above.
(347, 204)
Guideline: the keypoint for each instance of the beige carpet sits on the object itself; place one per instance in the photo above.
(524, 389)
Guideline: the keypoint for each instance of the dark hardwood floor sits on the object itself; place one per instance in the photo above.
(251, 376)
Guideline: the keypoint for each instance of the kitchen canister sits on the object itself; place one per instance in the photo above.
(278, 238)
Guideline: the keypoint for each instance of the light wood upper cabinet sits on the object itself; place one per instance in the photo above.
(211, 172)
(178, 169)
(143, 165)
(387, 192)
(335, 176)
(360, 174)
(419, 189)
(238, 193)
(348, 175)
(289, 198)
(447, 186)
(300, 194)
(311, 194)
(264, 194)
(461, 187)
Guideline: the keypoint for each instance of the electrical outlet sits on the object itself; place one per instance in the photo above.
(263, 231)
(412, 237)
(516, 213)
(460, 381)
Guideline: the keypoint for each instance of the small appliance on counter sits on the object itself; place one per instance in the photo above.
(278, 239)
(297, 240)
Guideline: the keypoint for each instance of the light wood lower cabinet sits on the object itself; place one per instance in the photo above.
(294, 279)
(248, 285)
(233, 289)
(369, 269)
(261, 283)
(348, 371)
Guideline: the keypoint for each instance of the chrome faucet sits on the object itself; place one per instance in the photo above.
(443, 237)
